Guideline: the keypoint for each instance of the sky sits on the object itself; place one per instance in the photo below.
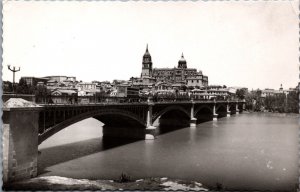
(251, 44)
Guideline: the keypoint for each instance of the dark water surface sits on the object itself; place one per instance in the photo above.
(256, 151)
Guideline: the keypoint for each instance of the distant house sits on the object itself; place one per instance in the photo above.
(64, 96)
(213, 92)
(267, 92)
(87, 89)
(61, 78)
(114, 93)
(58, 78)
(64, 92)
(52, 83)
(161, 86)
(271, 92)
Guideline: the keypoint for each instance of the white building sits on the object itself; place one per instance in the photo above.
(87, 89)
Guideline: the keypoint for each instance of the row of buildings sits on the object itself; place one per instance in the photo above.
(271, 92)
(66, 85)
(179, 80)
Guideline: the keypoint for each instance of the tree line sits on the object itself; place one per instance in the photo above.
(23, 88)
(278, 102)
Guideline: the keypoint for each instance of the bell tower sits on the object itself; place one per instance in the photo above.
(147, 64)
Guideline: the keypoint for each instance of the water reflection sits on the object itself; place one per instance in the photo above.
(63, 153)
(166, 129)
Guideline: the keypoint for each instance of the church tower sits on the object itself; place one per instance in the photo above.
(182, 62)
(147, 64)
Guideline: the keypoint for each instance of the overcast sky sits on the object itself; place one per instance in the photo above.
(245, 43)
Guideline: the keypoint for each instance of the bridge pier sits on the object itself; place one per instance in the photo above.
(237, 109)
(215, 115)
(150, 132)
(228, 111)
(193, 121)
(20, 139)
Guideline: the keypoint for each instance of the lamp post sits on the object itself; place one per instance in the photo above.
(14, 70)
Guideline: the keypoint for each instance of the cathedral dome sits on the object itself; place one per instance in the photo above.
(182, 59)
(182, 62)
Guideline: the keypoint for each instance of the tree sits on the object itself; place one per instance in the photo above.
(241, 93)
(22, 87)
(41, 91)
(7, 86)
(254, 100)
(293, 102)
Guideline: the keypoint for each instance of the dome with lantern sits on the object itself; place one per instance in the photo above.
(182, 62)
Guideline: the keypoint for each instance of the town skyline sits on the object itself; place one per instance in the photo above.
(230, 52)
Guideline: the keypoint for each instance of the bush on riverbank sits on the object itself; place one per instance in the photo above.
(124, 178)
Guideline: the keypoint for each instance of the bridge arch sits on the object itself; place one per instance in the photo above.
(97, 114)
(203, 113)
(169, 109)
(221, 110)
(204, 109)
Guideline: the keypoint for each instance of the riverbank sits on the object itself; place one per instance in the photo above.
(268, 111)
(56, 183)
(273, 112)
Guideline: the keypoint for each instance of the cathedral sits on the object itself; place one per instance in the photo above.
(180, 75)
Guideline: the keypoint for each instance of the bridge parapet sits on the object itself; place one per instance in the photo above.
(104, 99)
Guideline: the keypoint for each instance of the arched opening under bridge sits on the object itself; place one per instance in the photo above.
(115, 123)
(83, 138)
(221, 110)
(172, 118)
(203, 114)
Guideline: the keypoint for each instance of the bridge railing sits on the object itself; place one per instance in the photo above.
(80, 100)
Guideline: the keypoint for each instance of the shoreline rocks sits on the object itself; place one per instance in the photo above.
(64, 183)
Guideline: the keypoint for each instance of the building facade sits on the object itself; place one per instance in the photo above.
(34, 80)
(87, 89)
(177, 75)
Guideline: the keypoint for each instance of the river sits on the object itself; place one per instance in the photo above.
(253, 151)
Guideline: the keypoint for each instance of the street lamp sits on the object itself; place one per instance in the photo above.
(14, 70)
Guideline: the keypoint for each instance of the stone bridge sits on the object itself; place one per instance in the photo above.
(26, 127)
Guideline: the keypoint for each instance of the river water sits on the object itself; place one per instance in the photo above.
(254, 151)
